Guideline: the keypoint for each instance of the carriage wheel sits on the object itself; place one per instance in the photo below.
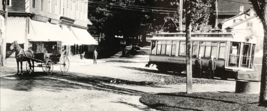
(48, 66)
(65, 64)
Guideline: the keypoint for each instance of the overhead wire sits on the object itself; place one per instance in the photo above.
(139, 8)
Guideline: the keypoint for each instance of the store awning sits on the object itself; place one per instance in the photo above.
(40, 31)
(16, 27)
(69, 37)
(84, 36)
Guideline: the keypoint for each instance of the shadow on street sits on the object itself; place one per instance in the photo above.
(54, 83)
(208, 101)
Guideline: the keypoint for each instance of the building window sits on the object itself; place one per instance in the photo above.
(42, 5)
(77, 5)
(33, 3)
(50, 6)
(9, 2)
(59, 8)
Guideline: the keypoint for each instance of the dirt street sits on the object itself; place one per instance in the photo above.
(110, 85)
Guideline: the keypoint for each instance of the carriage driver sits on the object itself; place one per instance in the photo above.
(212, 67)
(198, 66)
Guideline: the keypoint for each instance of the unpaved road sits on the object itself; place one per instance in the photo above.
(107, 86)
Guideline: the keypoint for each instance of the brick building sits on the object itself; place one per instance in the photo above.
(37, 21)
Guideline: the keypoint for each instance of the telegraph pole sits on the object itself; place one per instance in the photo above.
(4, 35)
(188, 29)
(216, 14)
(181, 15)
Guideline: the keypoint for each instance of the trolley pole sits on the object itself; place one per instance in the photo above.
(188, 29)
(181, 15)
(4, 35)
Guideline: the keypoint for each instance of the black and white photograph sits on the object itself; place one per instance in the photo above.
(133, 55)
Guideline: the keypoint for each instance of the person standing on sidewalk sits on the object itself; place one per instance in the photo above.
(212, 67)
(95, 56)
(198, 67)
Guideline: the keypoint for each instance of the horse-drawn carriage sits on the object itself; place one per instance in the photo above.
(47, 62)
(44, 59)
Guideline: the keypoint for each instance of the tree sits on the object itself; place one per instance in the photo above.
(132, 18)
(260, 8)
(197, 13)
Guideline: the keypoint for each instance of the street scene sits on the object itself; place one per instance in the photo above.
(133, 55)
(112, 84)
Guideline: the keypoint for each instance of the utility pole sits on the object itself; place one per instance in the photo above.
(181, 15)
(188, 29)
(4, 37)
(216, 14)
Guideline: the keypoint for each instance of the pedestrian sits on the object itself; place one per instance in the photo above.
(212, 67)
(198, 66)
(95, 56)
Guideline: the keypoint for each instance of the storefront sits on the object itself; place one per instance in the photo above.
(45, 37)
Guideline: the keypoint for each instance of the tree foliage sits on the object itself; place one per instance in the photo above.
(131, 18)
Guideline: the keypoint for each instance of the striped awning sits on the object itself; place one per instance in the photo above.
(84, 36)
(40, 31)
(16, 29)
(69, 37)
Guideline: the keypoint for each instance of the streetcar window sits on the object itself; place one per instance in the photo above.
(234, 54)
(222, 50)
(252, 55)
(153, 48)
(168, 48)
(195, 49)
(158, 47)
(202, 49)
(246, 55)
(174, 48)
(182, 51)
(163, 48)
(214, 49)
(208, 49)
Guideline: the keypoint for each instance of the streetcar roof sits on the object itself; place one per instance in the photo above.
(237, 37)
(220, 34)
(193, 38)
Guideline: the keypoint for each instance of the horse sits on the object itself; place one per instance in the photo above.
(22, 55)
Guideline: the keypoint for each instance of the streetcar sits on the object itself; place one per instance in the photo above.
(233, 54)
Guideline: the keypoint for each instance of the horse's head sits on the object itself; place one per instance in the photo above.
(14, 45)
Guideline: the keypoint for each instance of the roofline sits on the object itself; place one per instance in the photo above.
(235, 16)
(243, 21)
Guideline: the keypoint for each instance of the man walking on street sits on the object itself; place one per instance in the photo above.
(198, 66)
(212, 67)
(95, 56)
